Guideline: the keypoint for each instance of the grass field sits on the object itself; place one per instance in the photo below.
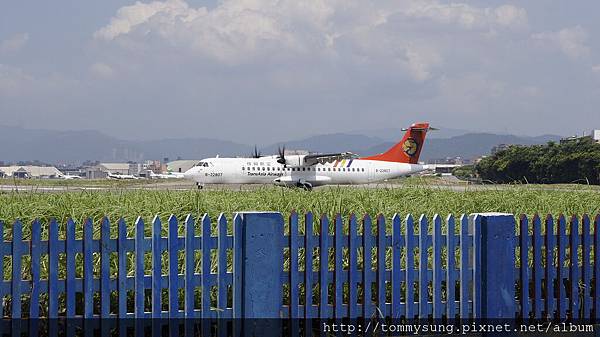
(415, 199)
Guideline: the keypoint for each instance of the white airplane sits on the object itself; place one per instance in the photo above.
(69, 177)
(168, 175)
(121, 176)
(310, 170)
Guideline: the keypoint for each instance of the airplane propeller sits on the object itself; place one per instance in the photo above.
(431, 128)
(281, 159)
(256, 153)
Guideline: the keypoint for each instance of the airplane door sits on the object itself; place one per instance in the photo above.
(370, 172)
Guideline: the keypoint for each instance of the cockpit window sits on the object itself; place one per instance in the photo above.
(202, 164)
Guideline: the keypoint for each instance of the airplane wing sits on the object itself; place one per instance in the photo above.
(322, 158)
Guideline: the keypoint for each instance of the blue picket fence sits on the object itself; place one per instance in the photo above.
(258, 265)
(558, 270)
(401, 272)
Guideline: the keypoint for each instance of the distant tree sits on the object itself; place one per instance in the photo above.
(465, 172)
(576, 161)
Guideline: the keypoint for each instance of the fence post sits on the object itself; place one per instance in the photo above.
(262, 264)
(495, 263)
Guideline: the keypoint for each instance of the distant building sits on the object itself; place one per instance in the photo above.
(443, 169)
(450, 160)
(180, 166)
(572, 139)
(499, 147)
(143, 169)
(596, 135)
(73, 171)
(28, 171)
(102, 170)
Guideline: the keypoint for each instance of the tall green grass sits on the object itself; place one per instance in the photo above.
(416, 200)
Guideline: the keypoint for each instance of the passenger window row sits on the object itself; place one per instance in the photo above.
(318, 169)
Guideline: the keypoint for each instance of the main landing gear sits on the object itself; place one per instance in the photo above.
(305, 185)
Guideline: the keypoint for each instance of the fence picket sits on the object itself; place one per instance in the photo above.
(574, 268)
(586, 270)
(551, 268)
(465, 270)
(104, 267)
(397, 280)
(237, 275)
(450, 268)
(206, 270)
(3, 291)
(122, 250)
(207, 283)
(524, 271)
(36, 251)
(381, 280)
(156, 268)
(2, 254)
(122, 287)
(140, 288)
(537, 268)
(597, 267)
(338, 281)
(368, 278)
(173, 267)
(323, 267)
(560, 272)
(237, 268)
(309, 282)
(17, 262)
(190, 259)
(410, 267)
(88, 267)
(477, 272)
(294, 274)
(53, 292)
(70, 251)
(437, 268)
(353, 276)
(223, 311)
(423, 268)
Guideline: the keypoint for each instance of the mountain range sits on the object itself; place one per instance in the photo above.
(20, 144)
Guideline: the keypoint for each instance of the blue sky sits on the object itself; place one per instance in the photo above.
(261, 71)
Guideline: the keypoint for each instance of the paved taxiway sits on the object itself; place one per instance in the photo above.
(185, 185)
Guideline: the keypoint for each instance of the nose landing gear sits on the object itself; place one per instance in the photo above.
(199, 186)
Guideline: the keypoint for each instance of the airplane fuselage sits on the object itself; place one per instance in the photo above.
(267, 170)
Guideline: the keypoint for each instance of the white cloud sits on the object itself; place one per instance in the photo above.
(15, 81)
(12, 80)
(239, 30)
(596, 68)
(508, 15)
(466, 15)
(571, 41)
(102, 70)
(14, 43)
(420, 63)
